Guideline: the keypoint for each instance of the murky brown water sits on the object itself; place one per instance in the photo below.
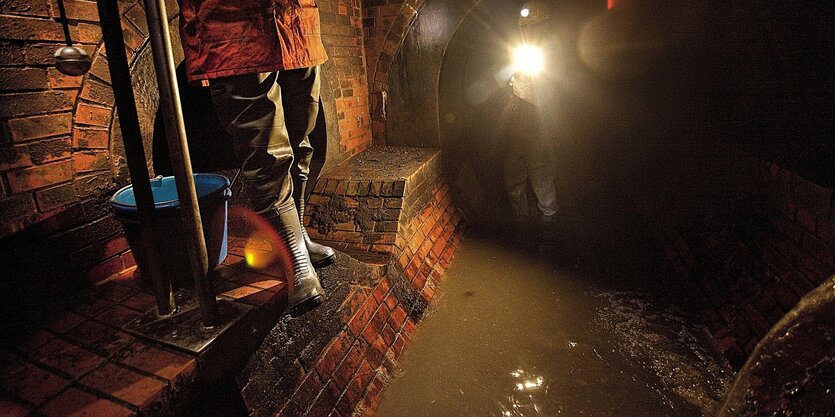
(531, 331)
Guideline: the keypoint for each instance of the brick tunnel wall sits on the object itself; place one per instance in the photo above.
(60, 156)
(746, 240)
(385, 24)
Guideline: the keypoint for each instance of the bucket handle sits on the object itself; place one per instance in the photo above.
(227, 192)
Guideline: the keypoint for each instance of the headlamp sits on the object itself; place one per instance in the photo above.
(528, 59)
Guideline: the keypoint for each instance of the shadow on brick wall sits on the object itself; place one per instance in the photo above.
(44, 272)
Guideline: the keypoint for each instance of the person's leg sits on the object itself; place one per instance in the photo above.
(515, 174)
(520, 118)
(300, 97)
(249, 107)
(540, 165)
(542, 178)
(542, 182)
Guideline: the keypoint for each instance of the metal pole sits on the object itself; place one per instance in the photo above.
(117, 61)
(180, 161)
(64, 22)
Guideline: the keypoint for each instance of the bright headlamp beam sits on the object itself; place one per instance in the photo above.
(528, 59)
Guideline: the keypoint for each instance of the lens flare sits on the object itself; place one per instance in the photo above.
(258, 251)
(263, 249)
(528, 59)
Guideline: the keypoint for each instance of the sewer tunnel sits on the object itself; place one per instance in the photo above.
(643, 225)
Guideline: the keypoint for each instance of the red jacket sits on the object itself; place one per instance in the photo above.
(232, 37)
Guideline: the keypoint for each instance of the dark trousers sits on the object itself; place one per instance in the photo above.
(527, 159)
(269, 116)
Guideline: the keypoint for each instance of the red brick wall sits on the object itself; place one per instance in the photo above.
(58, 162)
(57, 167)
(428, 239)
(353, 369)
(345, 73)
(749, 240)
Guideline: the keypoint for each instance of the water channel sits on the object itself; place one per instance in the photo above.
(540, 319)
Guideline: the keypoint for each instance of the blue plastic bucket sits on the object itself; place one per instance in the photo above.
(213, 194)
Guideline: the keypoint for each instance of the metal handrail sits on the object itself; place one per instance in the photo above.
(180, 161)
(117, 62)
(178, 148)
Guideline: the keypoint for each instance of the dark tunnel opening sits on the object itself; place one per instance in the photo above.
(640, 88)
(654, 101)
(628, 111)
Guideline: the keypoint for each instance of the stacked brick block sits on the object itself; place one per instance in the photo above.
(356, 216)
(766, 239)
(383, 202)
(356, 206)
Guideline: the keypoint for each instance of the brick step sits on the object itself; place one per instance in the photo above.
(86, 361)
(389, 203)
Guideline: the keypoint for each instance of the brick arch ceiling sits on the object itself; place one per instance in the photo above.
(378, 80)
(97, 144)
(379, 76)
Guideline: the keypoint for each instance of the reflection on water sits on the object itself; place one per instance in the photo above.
(525, 396)
(518, 333)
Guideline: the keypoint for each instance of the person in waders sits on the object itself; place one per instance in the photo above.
(261, 60)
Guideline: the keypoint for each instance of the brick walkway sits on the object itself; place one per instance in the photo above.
(84, 364)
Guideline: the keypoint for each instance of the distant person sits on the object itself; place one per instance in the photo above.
(528, 120)
(527, 155)
(261, 61)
